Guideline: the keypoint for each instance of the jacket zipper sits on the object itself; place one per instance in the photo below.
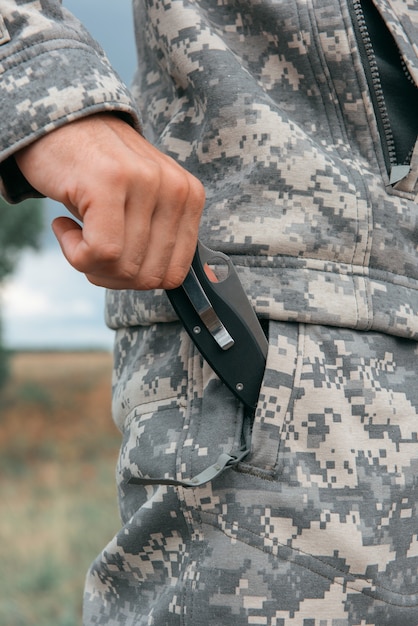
(396, 170)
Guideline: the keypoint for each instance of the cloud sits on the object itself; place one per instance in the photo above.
(48, 304)
(24, 302)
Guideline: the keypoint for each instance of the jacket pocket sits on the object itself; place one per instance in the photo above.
(175, 415)
(264, 427)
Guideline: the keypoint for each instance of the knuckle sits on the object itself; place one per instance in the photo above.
(95, 280)
(161, 278)
(196, 200)
(149, 174)
(114, 172)
(108, 253)
(174, 278)
(128, 275)
(179, 189)
(198, 193)
(150, 282)
(188, 194)
(122, 173)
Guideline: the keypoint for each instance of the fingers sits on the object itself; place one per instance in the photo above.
(148, 245)
(173, 234)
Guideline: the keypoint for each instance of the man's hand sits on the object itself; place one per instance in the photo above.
(140, 210)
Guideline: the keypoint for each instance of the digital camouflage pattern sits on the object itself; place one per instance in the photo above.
(267, 102)
(318, 528)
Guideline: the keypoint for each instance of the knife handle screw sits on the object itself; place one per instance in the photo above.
(197, 330)
(239, 386)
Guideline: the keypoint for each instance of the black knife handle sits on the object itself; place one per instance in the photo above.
(241, 365)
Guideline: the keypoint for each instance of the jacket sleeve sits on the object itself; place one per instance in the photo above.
(51, 72)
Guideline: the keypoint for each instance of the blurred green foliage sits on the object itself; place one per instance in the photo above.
(21, 227)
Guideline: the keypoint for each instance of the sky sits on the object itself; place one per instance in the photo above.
(47, 304)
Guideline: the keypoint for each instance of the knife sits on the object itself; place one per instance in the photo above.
(215, 311)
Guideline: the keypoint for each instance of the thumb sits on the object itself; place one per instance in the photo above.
(69, 235)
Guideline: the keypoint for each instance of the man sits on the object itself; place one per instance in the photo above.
(299, 119)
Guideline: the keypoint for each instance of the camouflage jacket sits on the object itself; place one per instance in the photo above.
(280, 109)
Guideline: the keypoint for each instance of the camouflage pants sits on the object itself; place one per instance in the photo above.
(319, 525)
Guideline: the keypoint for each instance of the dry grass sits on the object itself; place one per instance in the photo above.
(58, 448)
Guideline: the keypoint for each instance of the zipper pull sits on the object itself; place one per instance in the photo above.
(398, 172)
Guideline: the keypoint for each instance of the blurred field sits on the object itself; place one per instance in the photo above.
(58, 449)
